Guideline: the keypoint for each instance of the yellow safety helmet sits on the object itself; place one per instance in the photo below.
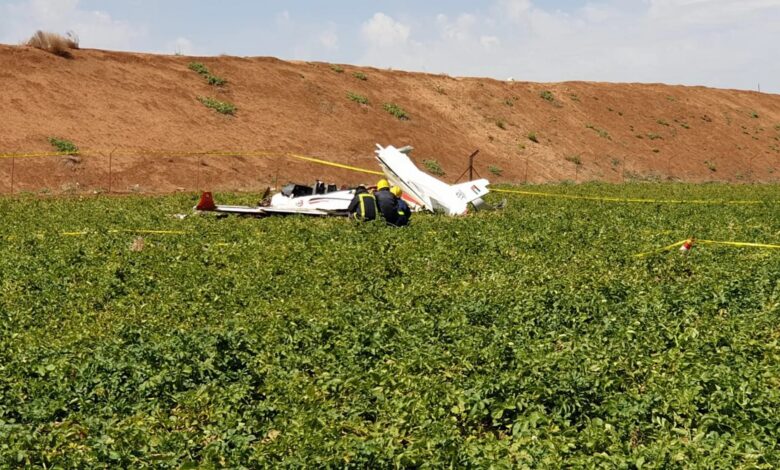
(382, 184)
(396, 191)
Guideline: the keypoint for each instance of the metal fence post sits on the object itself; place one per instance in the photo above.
(527, 157)
(197, 173)
(110, 169)
(750, 168)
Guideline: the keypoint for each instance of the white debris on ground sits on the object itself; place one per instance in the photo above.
(138, 244)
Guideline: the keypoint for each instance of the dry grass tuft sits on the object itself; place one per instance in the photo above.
(54, 43)
(138, 244)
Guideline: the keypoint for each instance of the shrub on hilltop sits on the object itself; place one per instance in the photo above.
(54, 43)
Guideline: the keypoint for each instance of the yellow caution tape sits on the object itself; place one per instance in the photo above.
(196, 153)
(742, 244)
(140, 152)
(207, 153)
(264, 153)
(138, 231)
(708, 242)
(151, 232)
(620, 199)
(661, 250)
(41, 154)
(337, 165)
(73, 234)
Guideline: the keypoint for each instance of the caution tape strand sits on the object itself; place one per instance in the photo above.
(708, 242)
(661, 250)
(740, 244)
(37, 155)
(333, 164)
(631, 200)
(150, 232)
(112, 231)
(265, 153)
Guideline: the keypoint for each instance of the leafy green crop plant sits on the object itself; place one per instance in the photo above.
(529, 337)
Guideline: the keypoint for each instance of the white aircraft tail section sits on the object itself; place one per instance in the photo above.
(424, 189)
(472, 190)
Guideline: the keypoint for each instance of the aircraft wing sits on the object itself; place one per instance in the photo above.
(206, 204)
(293, 211)
(238, 210)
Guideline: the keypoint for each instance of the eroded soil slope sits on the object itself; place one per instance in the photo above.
(122, 109)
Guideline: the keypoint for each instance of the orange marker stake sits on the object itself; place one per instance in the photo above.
(687, 246)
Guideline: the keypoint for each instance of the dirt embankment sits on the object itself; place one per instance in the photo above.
(122, 108)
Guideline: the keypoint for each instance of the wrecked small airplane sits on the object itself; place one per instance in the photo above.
(421, 190)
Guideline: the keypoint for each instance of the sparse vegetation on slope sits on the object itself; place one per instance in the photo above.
(203, 71)
(54, 43)
(396, 111)
(433, 167)
(357, 98)
(601, 132)
(64, 145)
(221, 107)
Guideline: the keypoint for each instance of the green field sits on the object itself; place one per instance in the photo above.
(526, 337)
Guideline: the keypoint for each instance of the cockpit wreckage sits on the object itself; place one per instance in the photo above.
(421, 191)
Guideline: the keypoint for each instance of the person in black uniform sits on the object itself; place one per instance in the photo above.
(363, 205)
(404, 213)
(387, 203)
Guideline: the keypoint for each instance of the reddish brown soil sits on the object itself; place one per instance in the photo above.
(136, 105)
